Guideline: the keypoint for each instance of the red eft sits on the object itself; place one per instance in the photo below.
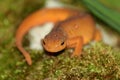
(73, 29)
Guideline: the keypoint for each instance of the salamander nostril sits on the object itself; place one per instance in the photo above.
(62, 43)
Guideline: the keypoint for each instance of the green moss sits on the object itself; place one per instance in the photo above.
(96, 62)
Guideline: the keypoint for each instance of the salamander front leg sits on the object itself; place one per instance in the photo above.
(97, 36)
(76, 43)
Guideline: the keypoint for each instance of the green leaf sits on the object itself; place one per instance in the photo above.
(111, 17)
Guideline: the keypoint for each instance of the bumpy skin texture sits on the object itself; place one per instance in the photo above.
(71, 33)
(38, 18)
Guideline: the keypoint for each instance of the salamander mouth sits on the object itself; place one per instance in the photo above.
(53, 49)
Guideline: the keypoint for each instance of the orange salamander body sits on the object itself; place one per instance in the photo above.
(73, 30)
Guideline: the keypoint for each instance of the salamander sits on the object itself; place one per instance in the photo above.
(73, 29)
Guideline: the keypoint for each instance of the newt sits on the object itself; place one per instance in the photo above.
(73, 30)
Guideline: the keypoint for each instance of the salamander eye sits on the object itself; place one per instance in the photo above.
(62, 43)
(43, 42)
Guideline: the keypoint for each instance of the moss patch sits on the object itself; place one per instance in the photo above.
(96, 62)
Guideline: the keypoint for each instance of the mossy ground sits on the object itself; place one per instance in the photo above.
(99, 61)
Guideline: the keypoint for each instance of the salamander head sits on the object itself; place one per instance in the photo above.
(55, 41)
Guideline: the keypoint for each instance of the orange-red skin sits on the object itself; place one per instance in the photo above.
(38, 18)
(55, 15)
(72, 33)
